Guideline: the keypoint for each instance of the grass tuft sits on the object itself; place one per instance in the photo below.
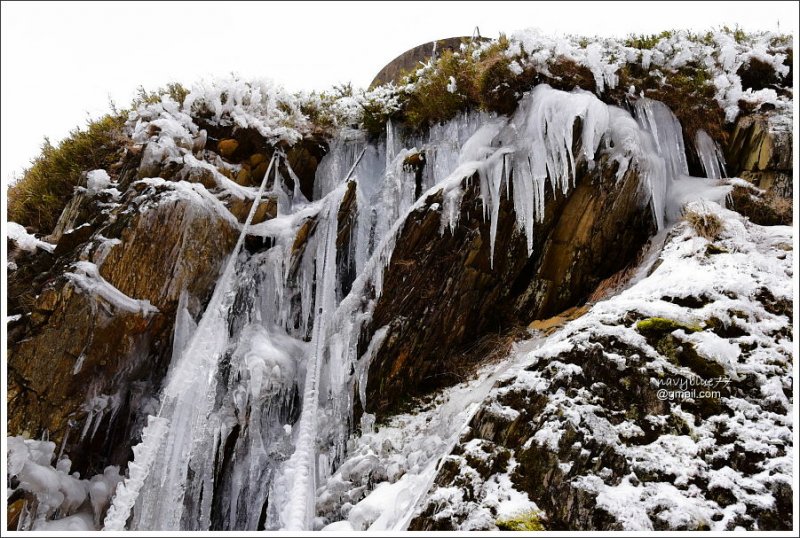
(705, 223)
(526, 521)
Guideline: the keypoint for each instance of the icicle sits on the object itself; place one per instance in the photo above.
(127, 492)
(710, 155)
(656, 118)
(299, 510)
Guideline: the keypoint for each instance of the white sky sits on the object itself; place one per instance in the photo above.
(63, 61)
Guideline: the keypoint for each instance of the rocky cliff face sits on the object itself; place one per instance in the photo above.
(89, 358)
(759, 151)
(444, 298)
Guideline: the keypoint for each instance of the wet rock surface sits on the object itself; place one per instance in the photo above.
(442, 293)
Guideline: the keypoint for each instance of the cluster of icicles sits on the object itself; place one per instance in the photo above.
(257, 406)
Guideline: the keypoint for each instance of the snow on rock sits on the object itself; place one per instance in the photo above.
(684, 427)
(97, 180)
(388, 470)
(194, 193)
(720, 52)
(86, 276)
(24, 240)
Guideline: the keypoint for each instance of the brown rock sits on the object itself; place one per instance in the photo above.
(77, 346)
(304, 158)
(244, 178)
(306, 229)
(201, 175)
(762, 153)
(549, 325)
(257, 158)
(176, 246)
(258, 172)
(227, 147)
(267, 209)
(13, 512)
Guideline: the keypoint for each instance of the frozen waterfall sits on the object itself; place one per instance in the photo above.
(258, 405)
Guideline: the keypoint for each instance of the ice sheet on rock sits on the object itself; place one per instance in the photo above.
(187, 401)
(24, 240)
(535, 148)
(401, 458)
(301, 469)
(86, 276)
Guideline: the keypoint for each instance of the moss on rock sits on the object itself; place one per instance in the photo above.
(526, 521)
(664, 325)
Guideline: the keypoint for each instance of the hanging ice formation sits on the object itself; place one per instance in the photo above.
(257, 407)
(710, 155)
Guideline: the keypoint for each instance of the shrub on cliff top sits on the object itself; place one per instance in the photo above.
(37, 198)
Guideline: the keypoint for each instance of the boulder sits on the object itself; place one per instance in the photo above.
(227, 147)
(760, 151)
(267, 209)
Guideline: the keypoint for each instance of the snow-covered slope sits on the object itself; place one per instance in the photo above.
(667, 406)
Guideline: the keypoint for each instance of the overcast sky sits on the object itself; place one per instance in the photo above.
(62, 62)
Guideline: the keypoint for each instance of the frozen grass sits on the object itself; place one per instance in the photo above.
(706, 79)
(705, 223)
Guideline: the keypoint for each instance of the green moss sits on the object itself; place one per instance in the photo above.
(526, 521)
(664, 325)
